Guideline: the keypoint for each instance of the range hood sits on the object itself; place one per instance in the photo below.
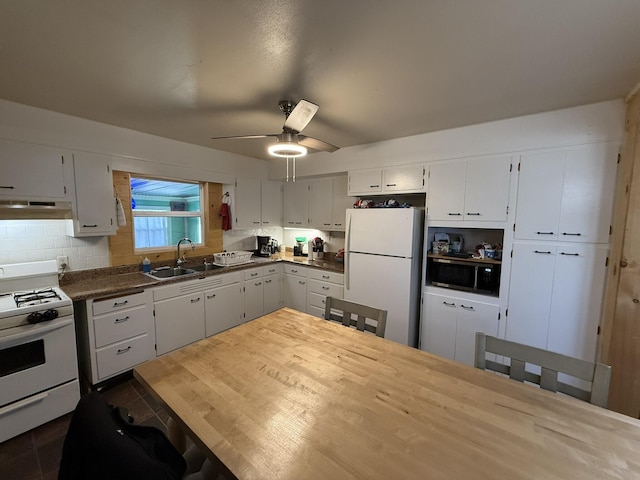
(34, 210)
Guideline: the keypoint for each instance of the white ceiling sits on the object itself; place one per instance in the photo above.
(379, 69)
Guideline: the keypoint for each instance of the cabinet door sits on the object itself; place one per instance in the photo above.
(253, 299)
(405, 179)
(247, 203)
(320, 203)
(271, 203)
(446, 190)
(95, 203)
(223, 308)
(438, 333)
(539, 195)
(365, 182)
(179, 322)
(295, 292)
(587, 194)
(272, 295)
(296, 211)
(341, 201)
(32, 171)
(487, 189)
(530, 289)
(473, 317)
(578, 287)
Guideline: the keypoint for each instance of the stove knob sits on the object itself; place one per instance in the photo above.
(50, 314)
(35, 317)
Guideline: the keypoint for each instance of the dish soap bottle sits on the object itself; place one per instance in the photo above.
(146, 265)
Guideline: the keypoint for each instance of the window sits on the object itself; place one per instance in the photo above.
(165, 211)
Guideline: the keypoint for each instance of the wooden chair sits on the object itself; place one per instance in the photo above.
(551, 364)
(364, 314)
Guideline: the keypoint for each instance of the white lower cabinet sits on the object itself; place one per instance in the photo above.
(253, 294)
(272, 281)
(223, 308)
(295, 287)
(555, 297)
(449, 326)
(114, 334)
(322, 284)
(179, 321)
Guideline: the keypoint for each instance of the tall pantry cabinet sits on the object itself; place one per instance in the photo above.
(561, 234)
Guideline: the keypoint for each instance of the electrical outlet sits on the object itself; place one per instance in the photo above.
(62, 261)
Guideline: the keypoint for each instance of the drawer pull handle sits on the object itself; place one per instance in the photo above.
(538, 251)
(254, 274)
(544, 233)
(455, 214)
(123, 350)
(120, 320)
(391, 185)
(267, 281)
(211, 296)
(325, 288)
(570, 254)
(476, 214)
(255, 223)
(195, 300)
(89, 226)
(338, 224)
(374, 186)
(466, 307)
(8, 187)
(257, 284)
(119, 304)
(449, 304)
(301, 282)
(572, 234)
(325, 276)
(294, 270)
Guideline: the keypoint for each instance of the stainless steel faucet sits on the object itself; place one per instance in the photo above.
(180, 261)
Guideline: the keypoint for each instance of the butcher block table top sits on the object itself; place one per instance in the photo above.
(291, 396)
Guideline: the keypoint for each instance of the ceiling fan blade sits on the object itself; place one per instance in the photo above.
(316, 144)
(300, 116)
(232, 137)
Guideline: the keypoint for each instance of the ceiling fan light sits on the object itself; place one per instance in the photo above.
(287, 150)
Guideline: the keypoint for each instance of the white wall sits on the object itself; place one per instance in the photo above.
(594, 123)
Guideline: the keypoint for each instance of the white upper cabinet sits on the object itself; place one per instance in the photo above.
(320, 203)
(94, 208)
(365, 182)
(379, 181)
(469, 190)
(247, 201)
(271, 203)
(405, 179)
(566, 195)
(296, 207)
(341, 201)
(33, 172)
(258, 203)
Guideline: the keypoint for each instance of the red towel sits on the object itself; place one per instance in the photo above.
(225, 213)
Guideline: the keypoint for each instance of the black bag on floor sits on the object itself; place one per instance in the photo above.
(102, 445)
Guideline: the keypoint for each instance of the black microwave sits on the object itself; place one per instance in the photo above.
(468, 275)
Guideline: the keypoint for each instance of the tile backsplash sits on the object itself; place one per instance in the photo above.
(36, 240)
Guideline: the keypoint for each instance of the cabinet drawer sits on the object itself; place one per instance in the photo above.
(315, 311)
(272, 270)
(326, 289)
(117, 326)
(316, 300)
(295, 270)
(326, 276)
(117, 303)
(252, 273)
(122, 356)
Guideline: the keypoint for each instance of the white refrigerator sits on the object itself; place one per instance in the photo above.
(382, 266)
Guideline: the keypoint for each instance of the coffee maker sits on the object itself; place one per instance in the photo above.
(264, 246)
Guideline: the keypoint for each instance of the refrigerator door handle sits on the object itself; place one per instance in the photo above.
(347, 251)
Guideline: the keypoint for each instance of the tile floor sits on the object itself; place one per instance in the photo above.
(35, 455)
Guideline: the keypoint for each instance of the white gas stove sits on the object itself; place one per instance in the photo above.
(38, 361)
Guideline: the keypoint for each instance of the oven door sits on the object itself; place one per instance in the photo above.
(34, 358)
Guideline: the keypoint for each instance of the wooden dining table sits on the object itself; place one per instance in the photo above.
(292, 396)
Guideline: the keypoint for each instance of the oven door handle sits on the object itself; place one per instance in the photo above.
(21, 332)
(23, 403)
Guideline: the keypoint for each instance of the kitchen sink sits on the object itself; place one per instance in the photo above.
(205, 267)
(171, 272)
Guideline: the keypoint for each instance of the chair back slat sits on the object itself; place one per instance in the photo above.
(362, 313)
(550, 363)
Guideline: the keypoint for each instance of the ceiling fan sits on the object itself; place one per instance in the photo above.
(291, 143)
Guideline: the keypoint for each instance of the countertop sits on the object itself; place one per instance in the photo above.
(102, 282)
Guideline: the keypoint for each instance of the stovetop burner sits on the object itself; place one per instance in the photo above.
(35, 297)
